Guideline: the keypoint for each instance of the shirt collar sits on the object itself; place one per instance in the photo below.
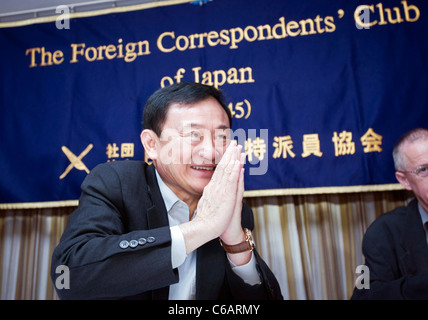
(423, 213)
(169, 197)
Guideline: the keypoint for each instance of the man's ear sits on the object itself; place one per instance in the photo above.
(401, 177)
(149, 140)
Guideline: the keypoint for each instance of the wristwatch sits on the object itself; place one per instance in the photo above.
(247, 245)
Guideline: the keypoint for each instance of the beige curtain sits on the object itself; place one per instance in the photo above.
(311, 242)
(27, 240)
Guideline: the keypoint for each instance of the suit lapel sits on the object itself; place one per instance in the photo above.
(414, 242)
(157, 217)
(210, 277)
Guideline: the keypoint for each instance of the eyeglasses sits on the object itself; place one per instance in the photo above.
(421, 171)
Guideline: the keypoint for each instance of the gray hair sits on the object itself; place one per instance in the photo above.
(400, 161)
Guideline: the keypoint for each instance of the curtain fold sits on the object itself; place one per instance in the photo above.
(27, 240)
(312, 243)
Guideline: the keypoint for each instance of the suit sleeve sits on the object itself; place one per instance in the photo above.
(105, 260)
(386, 281)
(269, 288)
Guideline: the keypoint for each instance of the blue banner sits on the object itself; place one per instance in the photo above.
(319, 91)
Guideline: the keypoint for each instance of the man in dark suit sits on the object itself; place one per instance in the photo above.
(395, 245)
(176, 229)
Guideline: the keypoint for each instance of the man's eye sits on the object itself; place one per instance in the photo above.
(221, 137)
(195, 136)
(422, 171)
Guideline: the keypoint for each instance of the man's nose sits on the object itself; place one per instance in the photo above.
(208, 150)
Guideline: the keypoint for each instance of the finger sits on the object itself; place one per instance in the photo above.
(225, 161)
(238, 152)
(232, 164)
(235, 170)
(243, 156)
(230, 153)
(241, 185)
(239, 194)
(227, 155)
(240, 157)
(231, 175)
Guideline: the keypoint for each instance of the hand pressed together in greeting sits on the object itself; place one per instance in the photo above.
(219, 208)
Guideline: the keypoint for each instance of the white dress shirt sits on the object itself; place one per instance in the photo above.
(178, 213)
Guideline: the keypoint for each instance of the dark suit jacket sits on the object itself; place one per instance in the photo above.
(120, 201)
(396, 253)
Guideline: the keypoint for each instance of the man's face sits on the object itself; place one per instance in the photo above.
(416, 154)
(192, 142)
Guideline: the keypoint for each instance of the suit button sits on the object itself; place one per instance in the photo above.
(133, 243)
(142, 241)
(124, 244)
(151, 239)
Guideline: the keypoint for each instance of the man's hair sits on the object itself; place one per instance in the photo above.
(409, 137)
(184, 93)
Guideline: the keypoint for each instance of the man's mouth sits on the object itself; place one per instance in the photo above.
(203, 168)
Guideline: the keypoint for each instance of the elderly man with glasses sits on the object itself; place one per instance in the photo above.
(395, 245)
